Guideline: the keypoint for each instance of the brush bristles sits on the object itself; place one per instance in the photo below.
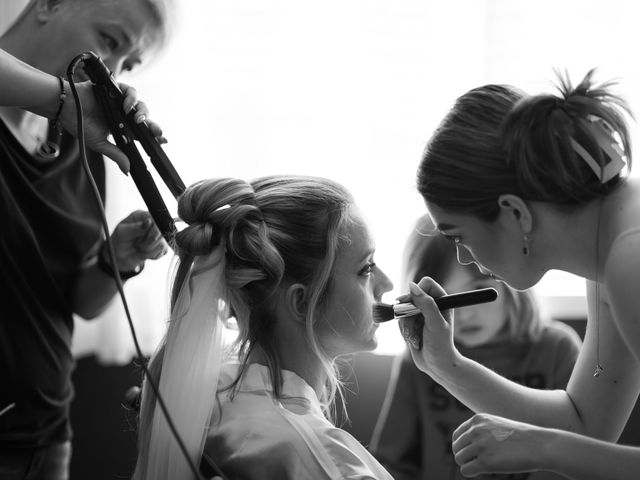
(383, 312)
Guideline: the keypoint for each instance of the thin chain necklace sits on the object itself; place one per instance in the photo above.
(599, 369)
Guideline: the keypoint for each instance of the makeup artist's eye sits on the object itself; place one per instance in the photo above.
(454, 238)
(368, 269)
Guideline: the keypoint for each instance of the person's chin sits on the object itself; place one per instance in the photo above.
(520, 283)
(373, 344)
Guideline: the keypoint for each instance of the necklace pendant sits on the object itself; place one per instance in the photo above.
(598, 371)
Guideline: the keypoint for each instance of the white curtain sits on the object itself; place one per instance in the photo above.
(349, 90)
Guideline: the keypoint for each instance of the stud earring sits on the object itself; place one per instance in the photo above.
(525, 245)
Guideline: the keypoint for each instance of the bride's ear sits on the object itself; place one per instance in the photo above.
(296, 301)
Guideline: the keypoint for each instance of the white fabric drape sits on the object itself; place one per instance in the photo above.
(190, 369)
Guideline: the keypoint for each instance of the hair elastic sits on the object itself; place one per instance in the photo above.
(55, 122)
(50, 149)
(602, 133)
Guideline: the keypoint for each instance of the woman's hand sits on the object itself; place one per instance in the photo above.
(136, 239)
(96, 129)
(490, 444)
(434, 329)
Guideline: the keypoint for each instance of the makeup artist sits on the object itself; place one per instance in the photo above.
(511, 336)
(524, 184)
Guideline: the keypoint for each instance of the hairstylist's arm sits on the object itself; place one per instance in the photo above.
(135, 240)
(476, 386)
(26, 87)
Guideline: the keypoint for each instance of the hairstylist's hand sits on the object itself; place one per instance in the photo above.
(490, 444)
(436, 330)
(96, 130)
(136, 239)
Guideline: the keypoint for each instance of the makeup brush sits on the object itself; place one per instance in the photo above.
(383, 312)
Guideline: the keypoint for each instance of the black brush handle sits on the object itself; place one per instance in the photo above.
(455, 300)
(464, 299)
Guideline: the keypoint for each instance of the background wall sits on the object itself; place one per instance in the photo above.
(350, 90)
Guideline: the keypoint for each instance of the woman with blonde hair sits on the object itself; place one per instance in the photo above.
(290, 259)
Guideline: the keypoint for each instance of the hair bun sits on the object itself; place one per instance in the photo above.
(215, 210)
(197, 238)
(565, 148)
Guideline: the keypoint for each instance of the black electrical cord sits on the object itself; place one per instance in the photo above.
(112, 257)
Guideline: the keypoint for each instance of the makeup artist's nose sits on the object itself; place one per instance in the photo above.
(464, 255)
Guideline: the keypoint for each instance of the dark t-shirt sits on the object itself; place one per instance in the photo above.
(49, 226)
(415, 432)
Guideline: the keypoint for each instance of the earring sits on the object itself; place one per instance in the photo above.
(525, 245)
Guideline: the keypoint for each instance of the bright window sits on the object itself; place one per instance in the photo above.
(352, 90)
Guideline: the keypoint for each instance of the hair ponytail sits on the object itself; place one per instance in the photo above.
(564, 149)
(553, 144)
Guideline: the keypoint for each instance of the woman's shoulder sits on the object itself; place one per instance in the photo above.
(622, 266)
(623, 226)
(250, 428)
(253, 438)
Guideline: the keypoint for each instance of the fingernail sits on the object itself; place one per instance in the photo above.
(141, 118)
(125, 171)
(414, 288)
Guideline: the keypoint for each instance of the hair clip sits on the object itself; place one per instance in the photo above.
(603, 134)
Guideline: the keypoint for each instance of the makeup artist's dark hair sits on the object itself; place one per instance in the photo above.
(497, 140)
(427, 253)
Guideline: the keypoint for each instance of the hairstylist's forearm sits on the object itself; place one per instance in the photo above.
(484, 391)
(26, 87)
(94, 290)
